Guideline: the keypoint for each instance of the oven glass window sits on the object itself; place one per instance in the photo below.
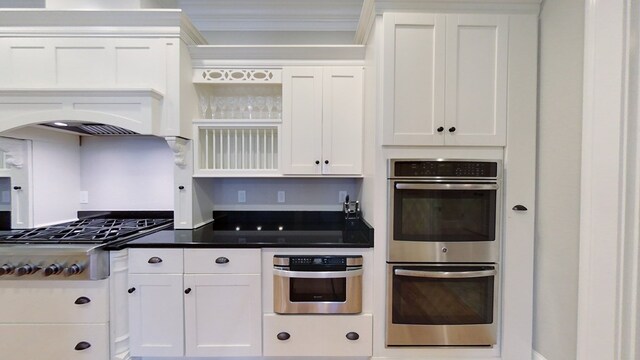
(438, 301)
(311, 290)
(444, 215)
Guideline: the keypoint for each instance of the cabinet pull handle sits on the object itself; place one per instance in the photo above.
(82, 300)
(519, 208)
(282, 336)
(222, 260)
(440, 129)
(17, 188)
(154, 260)
(452, 129)
(317, 162)
(131, 290)
(353, 336)
(82, 345)
(187, 290)
(180, 187)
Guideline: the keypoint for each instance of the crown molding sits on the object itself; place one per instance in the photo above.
(367, 19)
(98, 23)
(273, 15)
(275, 56)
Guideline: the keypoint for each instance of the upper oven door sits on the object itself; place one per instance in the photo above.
(428, 220)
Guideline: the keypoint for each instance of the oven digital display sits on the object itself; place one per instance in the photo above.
(469, 169)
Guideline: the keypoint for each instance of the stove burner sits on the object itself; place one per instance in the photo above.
(83, 231)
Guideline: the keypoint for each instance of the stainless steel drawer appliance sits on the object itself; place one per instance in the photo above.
(314, 284)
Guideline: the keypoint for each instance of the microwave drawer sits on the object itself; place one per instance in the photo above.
(318, 335)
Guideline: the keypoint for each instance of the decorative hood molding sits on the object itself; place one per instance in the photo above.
(138, 110)
(164, 23)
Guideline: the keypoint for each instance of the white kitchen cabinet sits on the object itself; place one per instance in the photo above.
(223, 315)
(155, 302)
(322, 121)
(223, 311)
(313, 335)
(445, 79)
(57, 341)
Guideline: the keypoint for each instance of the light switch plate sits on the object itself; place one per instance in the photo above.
(281, 196)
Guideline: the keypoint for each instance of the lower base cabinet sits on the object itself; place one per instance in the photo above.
(318, 335)
(57, 341)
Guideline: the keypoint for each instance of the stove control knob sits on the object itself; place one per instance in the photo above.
(26, 269)
(74, 269)
(7, 269)
(52, 269)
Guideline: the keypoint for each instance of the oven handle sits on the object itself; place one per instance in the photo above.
(413, 186)
(445, 274)
(317, 274)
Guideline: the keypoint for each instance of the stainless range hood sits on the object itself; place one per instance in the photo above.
(90, 129)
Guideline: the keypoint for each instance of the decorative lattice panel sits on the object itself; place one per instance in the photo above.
(253, 148)
(237, 76)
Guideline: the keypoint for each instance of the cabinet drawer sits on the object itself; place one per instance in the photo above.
(317, 335)
(49, 341)
(222, 261)
(54, 302)
(155, 261)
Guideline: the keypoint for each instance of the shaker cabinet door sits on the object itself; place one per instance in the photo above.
(302, 120)
(223, 314)
(476, 80)
(342, 121)
(414, 79)
(155, 314)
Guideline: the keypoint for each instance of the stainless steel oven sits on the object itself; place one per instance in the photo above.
(444, 210)
(442, 304)
(317, 284)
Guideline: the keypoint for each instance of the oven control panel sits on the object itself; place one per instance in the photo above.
(432, 168)
(317, 260)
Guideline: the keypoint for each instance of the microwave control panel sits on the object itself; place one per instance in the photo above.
(449, 169)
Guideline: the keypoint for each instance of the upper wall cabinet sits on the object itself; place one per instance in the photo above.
(322, 121)
(445, 79)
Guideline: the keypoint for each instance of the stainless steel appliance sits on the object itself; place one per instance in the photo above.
(68, 251)
(444, 210)
(442, 304)
(317, 284)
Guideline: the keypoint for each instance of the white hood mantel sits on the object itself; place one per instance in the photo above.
(138, 110)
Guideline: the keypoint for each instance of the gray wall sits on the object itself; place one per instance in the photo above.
(558, 192)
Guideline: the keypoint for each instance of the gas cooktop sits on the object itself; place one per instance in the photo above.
(83, 231)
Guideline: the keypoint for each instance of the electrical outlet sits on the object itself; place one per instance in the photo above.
(6, 197)
(84, 197)
(242, 196)
(342, 195)
(281, 196)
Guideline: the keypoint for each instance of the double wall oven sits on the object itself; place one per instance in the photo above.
(443, 252)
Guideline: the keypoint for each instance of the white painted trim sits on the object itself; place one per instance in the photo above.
(603, 204)
(277, 54)
(538, 356)
(366, 22)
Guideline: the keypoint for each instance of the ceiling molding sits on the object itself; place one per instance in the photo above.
(365, 23)
(273, 15)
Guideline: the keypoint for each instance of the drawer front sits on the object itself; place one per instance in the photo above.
(54, 342)
(54, 302)
(330, 335)
(155, 261)
(222, 261)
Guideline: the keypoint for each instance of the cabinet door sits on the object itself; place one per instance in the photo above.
(342, 120)
(223, 315)
(301, 120)
(155, 315)
(413, 80)
(476, 98)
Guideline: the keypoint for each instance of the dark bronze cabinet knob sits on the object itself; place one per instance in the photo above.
(187, 290)
(82, 300)
(452, 129)
(519, 208)
(222, 260)
(353, 336)
(282, 336)
(317, 162)
(440, 129)
(155, 260)
(131, 290)
(82, 345)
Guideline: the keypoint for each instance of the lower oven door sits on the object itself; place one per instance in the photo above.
(317, 292)
(442, 304)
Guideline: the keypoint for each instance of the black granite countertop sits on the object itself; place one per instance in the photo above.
(257, 229)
